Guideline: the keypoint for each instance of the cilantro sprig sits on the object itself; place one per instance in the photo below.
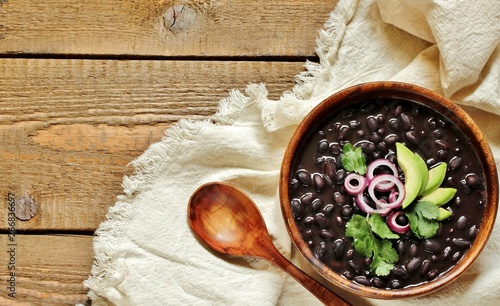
(353, 159)
(423, 219)
(363, 230)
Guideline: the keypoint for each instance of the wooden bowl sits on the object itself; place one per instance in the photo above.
(419, 95)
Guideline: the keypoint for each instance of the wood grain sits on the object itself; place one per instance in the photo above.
(69, 128)
(49, 270)
(86, 86)
(162, 28)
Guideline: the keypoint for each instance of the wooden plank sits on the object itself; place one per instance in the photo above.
(68, 128)
(49, 270)
(162, 28)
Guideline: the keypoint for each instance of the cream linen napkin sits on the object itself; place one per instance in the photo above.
(145, 253)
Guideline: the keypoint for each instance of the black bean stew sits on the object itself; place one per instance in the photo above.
(321, 207)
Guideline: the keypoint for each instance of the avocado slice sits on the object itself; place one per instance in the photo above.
(435, 178)
(443, 214)
(424, 172)
(440, 196)
(411, 167)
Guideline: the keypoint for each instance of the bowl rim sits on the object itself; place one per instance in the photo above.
(444, 106)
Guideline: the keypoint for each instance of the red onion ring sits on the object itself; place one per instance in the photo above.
(393, 195)
(397, 183)
(394, 226)
(355, 189)
(370, 173)
(368, 209)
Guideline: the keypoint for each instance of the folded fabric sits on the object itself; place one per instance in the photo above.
(145, 253)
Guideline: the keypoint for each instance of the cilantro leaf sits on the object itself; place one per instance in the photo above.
(358, 229)
(382, 268)
(380, 228)
(423, 219)
(353, 159)
(427, 210)
(367, 244)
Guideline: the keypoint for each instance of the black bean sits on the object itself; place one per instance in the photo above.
(346, 211)
(339, 220)
(414, 264)
(318, 181)
(344, 131)
(472, 232)
(441, 144)
(321, 220)
(348, 275)
(394, 124)
(340, 176)
(375, 137)
(316, 204)
(462, 222)
(350, 253)
(329, 168)
(401, 246)
(372, 123)
(396, 284)
(297, 209)
(398, 109)
(367, 261)
(335, 148)
(438, 133)
(320, 251)
(327, 210)
(432, 122)
(432, 274)
(381, 131)
(308, 221)
(363, 280)
(382, 147)
(456, 256)
(338, 248)
(339, 198)
(472, 180)
(327, 234)
(294, 183)
(377, 282)
(355, 266)
(323, 146)
(442, 154)
(370, 148)
(432, 246)
(455, 163)
(425, 267)
(304, 177)
(412, 137)
(461, 243)
(431, 161)
(307, 198)
(458, 201)
(407, 120)
(413, 250)
(354, 124)
(391, 139)
(400, 272)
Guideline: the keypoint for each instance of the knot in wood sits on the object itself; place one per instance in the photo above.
(180, 18)
(26, 208)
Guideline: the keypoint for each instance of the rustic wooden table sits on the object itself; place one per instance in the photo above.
(86, 86)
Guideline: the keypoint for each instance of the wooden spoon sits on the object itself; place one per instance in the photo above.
(229, 222)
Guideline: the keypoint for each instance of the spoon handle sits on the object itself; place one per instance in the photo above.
(318, 290)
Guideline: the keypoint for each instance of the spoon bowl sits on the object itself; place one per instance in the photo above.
(229, 222)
